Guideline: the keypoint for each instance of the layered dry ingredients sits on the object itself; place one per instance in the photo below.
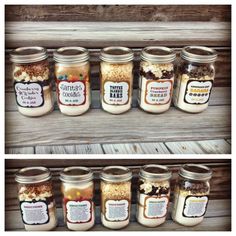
(156, 79)
(191, 195)
(72, 71)
(195, 78)
(35, 194)
(116, 79)
(78, 192)
(153, 195)
(115, 197)
(32, 84)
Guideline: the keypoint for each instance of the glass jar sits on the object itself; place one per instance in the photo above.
(72, 72)
(191, 194)
(153, 195)
(156, 79)
(78, 192)
(115, 196)
(196, 72)
(36, 197)
(32, 83)
(116, 79)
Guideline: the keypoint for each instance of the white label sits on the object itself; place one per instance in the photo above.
(117, 210)
(158, 92)
(71, 93)
(116, 93)
(155, 207)
(195, 206)
(198, 92)
(78, 211)
(29, 94)
(34, 212)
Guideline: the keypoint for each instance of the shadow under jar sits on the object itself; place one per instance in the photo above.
(116, 79)
(72, 71)
(37, 204)
(115, 196)
(153, 195)
(156, 79)
(196, 73)
(78, 193)
(191, 194)
(32, 84)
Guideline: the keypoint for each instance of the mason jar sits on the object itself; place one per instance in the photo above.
(116, 79)
(196, 73)
(72, 72)
(153, 195)
(36, 198)
(115, 196)
(78, 197)
(32, 83)
(191, 194)
(156, 79)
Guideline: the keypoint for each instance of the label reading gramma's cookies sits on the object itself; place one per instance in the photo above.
(117, 210)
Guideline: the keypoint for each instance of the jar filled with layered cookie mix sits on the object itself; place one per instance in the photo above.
(116, 79)
(156, 79)
(32, 83)
(36, 197)
(115, 196)
(195, 76)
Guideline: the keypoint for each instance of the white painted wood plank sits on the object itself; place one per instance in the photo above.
(219, 146)
(21, 150)
(88, 149)
(154, 148)
(127, 148)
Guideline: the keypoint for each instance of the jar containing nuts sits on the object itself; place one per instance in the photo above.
(115, 196)
(32, 84)
(116, 79)
(196, 72)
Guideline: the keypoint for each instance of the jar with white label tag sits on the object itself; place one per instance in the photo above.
(153, 195)
(32, 83)
(195, 76)
(78, 192)
(72, 71)
(191, 194)
(36, 197)
(156, 79)
(115, 196)
(116, 79)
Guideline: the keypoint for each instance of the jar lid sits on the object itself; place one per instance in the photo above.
(117, 54)
(30, 175)
(116, 174)
(28, 54)
(76, 174)
(158, 54)
(199, 54)
(195, 172)
(157, 172)
(71, 55)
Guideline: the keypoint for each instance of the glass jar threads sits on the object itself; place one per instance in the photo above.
(72, 71)
(116, 79)
(32, 84)
(195, 78)
(191, 194)
(156, 79)
(78, 192)
(35, 194)
(115, 196)
(153, 195)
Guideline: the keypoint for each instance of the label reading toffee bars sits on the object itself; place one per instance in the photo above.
(198, 92)
(195, 206)
(29, 94)
(34, 213)
(116, 93)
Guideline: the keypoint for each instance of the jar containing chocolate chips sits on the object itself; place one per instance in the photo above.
(153, 195)
(191, 194)
(156, 79)
(32, 84)
(195, 78)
